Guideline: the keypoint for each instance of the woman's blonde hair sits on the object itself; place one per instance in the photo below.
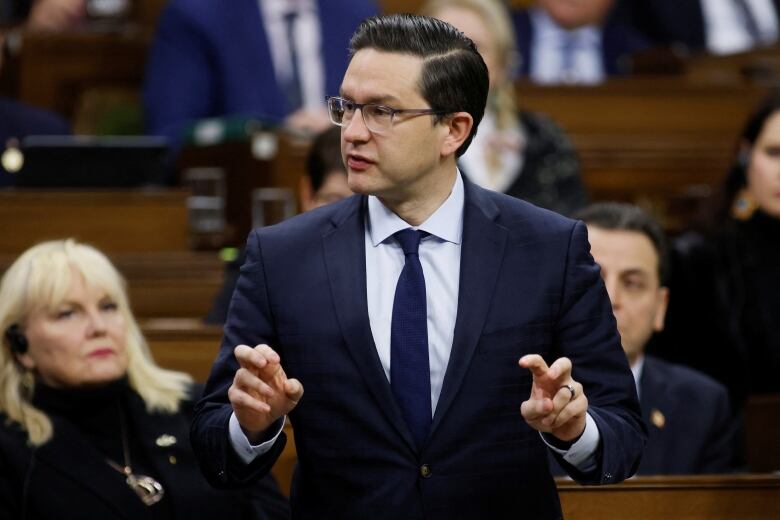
(40, 278)
(501, 99)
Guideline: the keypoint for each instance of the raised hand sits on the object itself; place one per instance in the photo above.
(261, 393)
(557, 404)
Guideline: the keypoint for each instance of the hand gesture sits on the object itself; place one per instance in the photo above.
(557, 404)
(261, 393)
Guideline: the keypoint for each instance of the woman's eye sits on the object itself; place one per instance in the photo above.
(109, 306)
(65, 314)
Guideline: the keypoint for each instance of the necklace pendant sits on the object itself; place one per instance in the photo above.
(148, 489)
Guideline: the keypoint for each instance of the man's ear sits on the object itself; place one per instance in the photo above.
(660, 310)
(458, 127)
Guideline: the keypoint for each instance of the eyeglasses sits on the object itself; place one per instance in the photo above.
(377, 118)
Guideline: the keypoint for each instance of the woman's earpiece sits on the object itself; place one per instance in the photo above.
(743, 158)
(16, 339)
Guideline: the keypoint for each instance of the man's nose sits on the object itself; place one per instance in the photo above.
(356, 129)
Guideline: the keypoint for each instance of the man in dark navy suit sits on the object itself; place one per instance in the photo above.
(691, 429)
(274, 60)
(582, 42)
(447, 337)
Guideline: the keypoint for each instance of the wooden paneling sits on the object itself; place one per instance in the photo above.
(762, 432)
(54, 70)
(113, 221)
(184, 345)
(644, 106)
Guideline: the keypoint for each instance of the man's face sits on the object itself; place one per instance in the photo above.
(629, 267)
(571, 14)
(403, 163)
(334, 188)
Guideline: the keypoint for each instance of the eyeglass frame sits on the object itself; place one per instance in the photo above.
(393, 111)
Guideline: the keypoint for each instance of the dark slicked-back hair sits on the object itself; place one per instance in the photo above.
(454, 77)
(619, 216)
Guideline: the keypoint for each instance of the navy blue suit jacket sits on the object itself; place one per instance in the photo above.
(209, 59)
(619, 42)
(695, 431)
(527, 285)
(18, 120)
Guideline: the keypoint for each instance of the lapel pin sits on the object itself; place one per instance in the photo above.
(165, 440)
(657, 418)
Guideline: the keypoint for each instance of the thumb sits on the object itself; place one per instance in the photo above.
(294, 390)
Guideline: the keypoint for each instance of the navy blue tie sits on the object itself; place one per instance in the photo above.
(410, 375)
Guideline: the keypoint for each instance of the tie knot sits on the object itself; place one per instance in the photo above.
(410, 240)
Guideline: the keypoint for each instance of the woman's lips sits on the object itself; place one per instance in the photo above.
(101, 353)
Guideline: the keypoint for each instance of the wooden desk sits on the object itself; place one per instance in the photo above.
(743, 497)
(113, 221)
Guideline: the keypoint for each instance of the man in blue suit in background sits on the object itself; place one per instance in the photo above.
(268, 59)
(447, 336)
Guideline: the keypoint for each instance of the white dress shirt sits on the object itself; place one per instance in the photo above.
(725, 28)
(307, 38)
(549, 48)
(440, 258)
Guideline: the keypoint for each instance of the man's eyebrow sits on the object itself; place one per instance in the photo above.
(632, 271)
(385, 99)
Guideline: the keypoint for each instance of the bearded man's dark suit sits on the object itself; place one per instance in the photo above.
(527, 285)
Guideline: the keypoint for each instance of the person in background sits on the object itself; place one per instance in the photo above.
(269, 59)
(325, 182)
(715, 26)
(516, 152)
(687, 435)
(90, 426)
(726, 277)
(575, 42)
(17, 121)
(43, 15)
(420, 316)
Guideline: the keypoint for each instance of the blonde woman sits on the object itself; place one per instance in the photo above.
(516, 152)
(90, 427)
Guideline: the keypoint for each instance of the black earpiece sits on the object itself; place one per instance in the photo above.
(16, 339)
(743, 158)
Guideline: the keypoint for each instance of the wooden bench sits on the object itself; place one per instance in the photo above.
(166, 285)
(114, 221)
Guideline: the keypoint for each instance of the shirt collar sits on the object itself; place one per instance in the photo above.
(636, 369)
(278, 8)
(446, 222)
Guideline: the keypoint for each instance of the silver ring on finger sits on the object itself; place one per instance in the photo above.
(571, 389)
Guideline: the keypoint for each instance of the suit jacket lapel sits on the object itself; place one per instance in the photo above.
(482, 252)
(69, 453)
(345, 256)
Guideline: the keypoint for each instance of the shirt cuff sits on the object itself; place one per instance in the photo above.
(582, 454)
(248, 452)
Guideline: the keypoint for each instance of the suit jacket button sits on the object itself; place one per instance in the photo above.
(425, 471)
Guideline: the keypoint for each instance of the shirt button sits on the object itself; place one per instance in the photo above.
(425, 471)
